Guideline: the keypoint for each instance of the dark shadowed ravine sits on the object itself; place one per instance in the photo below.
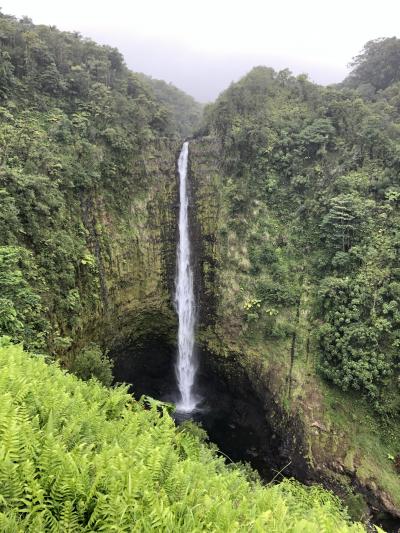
(235, 421)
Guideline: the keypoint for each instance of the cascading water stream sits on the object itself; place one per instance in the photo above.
(186, 366)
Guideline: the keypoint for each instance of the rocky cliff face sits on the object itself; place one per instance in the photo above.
(305, 438)
(135, 253)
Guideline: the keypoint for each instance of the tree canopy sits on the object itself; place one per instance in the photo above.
(376, 67)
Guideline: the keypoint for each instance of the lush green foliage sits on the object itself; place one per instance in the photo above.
(313, 193)
(93, 363)
(377, 67)
(184, 112)
(21, 307)
(75, 456)
(77, 132)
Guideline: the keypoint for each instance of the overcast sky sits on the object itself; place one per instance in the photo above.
(203, 45)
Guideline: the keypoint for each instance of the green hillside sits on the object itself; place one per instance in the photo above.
(86, 148)
(76, 456)
(313, 184)
(298, 202)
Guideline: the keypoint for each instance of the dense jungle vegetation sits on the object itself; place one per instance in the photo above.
(314, 195)
(77, 128)
(311, 187)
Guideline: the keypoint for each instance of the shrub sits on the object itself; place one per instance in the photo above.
(92, 363)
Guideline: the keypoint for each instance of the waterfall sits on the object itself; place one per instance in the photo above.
(186, 365)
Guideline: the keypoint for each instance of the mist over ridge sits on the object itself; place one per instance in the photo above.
(202, 50)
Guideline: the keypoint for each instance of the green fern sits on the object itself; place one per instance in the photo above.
(75, 456)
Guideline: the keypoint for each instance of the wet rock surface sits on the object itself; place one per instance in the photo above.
(231, 411)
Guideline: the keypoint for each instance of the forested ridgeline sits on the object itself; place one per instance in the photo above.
(298, 190)
(312, 234)
(87, 156)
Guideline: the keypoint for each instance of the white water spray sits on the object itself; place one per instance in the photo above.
(186, 365)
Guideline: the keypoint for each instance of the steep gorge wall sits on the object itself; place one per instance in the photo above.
(135, 254)
(220, 254)
(308, 442)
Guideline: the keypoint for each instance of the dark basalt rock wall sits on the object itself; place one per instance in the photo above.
(245, 423)
(245, 420)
